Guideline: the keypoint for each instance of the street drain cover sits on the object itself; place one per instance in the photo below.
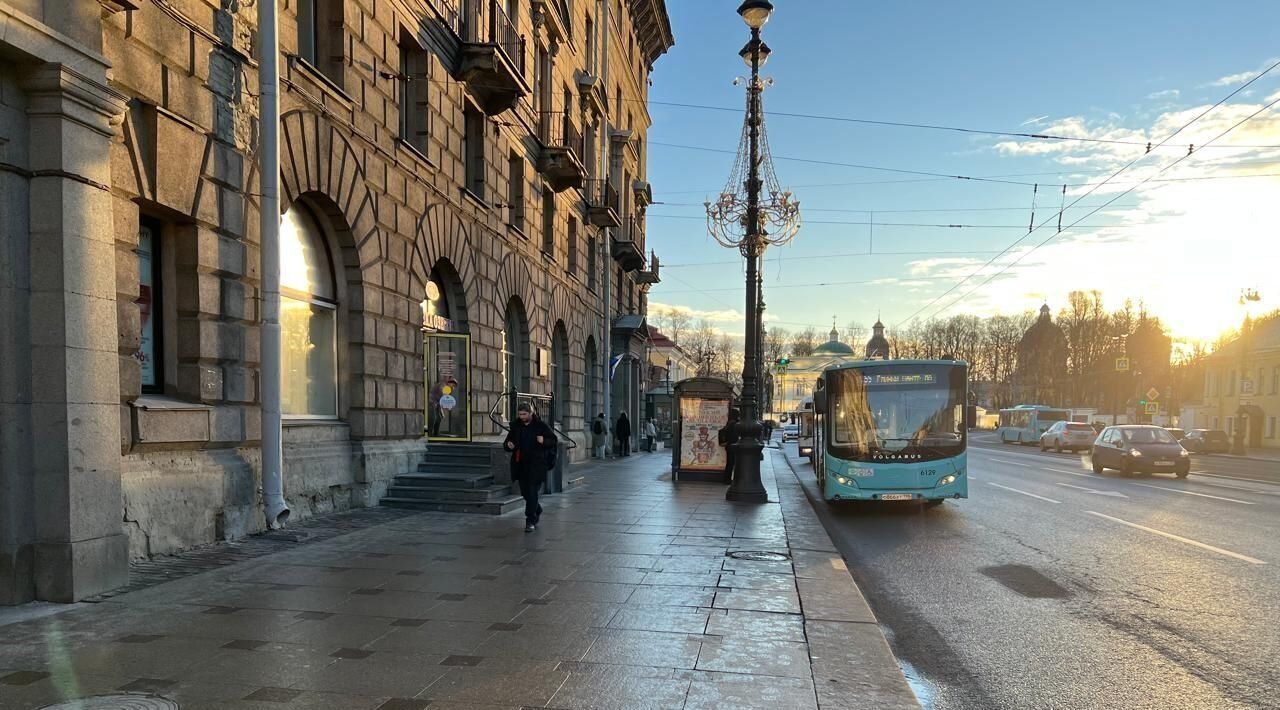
(759, 556)
(116, 702)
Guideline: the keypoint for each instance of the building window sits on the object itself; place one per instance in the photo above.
(473, 150)
(150, 349)
(415, 125)
(573, 246)
(320, 41)
(1231, 384)
(548, 222)
(1271, 428)
(1230, 425)
(591, 46)
(591, 264)
(1275, 380)
(1215, 423)
(515, 191)
(308, 319)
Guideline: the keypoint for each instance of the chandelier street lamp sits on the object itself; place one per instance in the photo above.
(752, 213)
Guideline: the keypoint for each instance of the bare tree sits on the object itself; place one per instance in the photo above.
(775, 344)
(804, 342)
(673, 322)
(1087, 327)
(700, 343)
(855, 334)
(728, 358)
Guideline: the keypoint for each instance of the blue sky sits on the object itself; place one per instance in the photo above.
(1130, 71)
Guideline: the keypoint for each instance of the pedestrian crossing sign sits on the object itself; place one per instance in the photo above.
(1153, 407)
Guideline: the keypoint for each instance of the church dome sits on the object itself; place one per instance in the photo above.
(833, 346)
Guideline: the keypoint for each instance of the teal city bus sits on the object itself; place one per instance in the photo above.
(891, 430)
(1025, 423)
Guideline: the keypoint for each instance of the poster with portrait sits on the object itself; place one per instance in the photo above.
(448, 365)
(700, 423)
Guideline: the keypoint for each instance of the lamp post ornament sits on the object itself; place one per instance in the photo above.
(743, 218)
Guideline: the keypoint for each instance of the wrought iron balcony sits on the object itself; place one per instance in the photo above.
(492, 56)
(626, 249)
(650, 275)
(603, 206)
(562, 149)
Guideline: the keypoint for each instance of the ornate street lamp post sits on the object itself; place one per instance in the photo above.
(752, 213)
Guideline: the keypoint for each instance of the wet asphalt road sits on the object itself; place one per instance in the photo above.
(1051, 587)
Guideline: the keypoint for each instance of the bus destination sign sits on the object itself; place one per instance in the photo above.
(917, 378)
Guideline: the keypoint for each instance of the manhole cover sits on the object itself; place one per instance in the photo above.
(759, 556)
(116, 702)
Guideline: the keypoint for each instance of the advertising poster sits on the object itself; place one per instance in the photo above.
(448, 363)
(700, 423)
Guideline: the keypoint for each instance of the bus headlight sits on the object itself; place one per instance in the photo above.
(842, 480)
(947, 480)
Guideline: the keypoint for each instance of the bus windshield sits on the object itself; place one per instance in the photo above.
(904, 408)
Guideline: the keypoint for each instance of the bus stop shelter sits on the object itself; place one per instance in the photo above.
(701, 409)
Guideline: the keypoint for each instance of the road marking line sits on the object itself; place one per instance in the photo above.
(1192, 493)
(1236, 488)
(1179, 538)
(1113, 494)
(1235, 478)
(1015, 490)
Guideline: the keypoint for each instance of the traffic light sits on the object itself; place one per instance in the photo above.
(784, 361)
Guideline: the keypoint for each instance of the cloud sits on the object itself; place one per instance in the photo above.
(726, 315)
(1166, 94)
(1233, 79)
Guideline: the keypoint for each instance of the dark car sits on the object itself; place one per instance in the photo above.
(1138, 448)
(1207, 441)
(1177, 433)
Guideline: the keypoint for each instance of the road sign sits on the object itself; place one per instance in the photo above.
(1122, 364)
(1153, 393)
(1246, 386)
(1153, 407)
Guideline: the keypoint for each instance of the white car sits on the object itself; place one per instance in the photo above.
(1075, 436)
(790, 432)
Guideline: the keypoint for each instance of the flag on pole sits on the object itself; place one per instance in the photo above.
(613, 365)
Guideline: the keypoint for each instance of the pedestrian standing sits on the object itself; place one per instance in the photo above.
(622, 432)
(599, 436)
(728, 437)
(650, 435)
(532, 445)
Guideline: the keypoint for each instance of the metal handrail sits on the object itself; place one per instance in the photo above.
(564, 135)
(516, 395)
(600, 192)
(469, 24)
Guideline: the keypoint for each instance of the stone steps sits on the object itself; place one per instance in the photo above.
(495, 507)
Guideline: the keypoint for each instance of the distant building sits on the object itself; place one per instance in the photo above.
(794, 381)
(1040, 377)
(1243, 391)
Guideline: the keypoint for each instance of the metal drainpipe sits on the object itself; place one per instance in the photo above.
(606, 262)
(273, 505)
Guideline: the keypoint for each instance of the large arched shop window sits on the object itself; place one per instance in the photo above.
(515, 347)
(308, 319)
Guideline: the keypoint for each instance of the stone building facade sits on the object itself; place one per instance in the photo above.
(476, 167)
(1041, 374)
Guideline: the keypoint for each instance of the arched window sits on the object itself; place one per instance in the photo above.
(560, 372)
(308, 319)
(590, 375)
(515, 347)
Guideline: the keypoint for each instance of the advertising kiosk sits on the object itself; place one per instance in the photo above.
(702, 407)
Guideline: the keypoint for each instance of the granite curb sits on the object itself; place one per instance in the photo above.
(852, 663)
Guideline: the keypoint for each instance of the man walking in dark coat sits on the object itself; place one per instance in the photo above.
(623, 433)
(728, 437)
(532, 444)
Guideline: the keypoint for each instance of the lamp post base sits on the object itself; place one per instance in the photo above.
(746, 486)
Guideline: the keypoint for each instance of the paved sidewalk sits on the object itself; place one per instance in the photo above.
(626, 596)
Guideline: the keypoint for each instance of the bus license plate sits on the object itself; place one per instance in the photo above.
(896, 496)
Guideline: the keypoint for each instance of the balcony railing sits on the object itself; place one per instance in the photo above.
(562, 150)
(492, 56)
(483, 22)
(556, 130)
(603, 205)
(626, 249)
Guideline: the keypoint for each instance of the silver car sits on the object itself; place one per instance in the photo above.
(1067, 435)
